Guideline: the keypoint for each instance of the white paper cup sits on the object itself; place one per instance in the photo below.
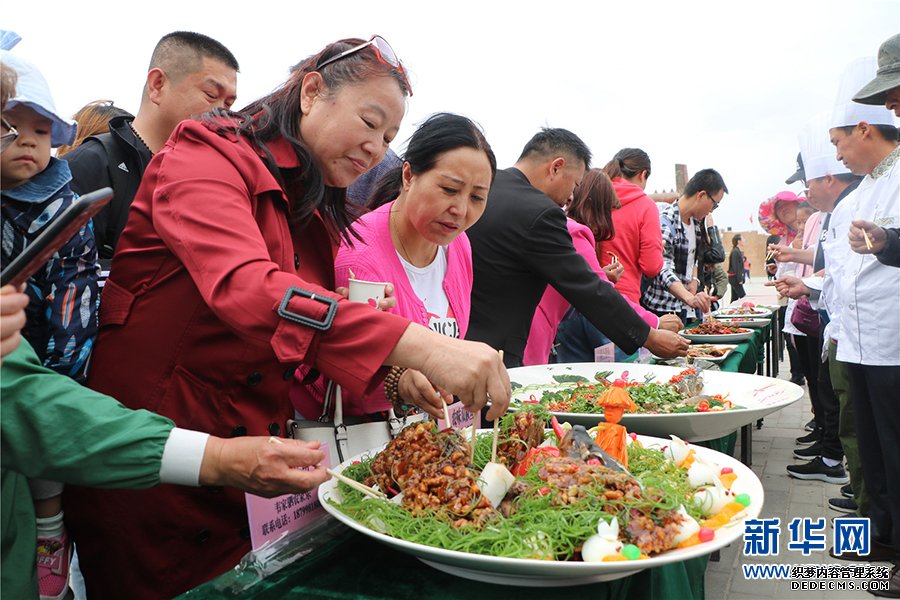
(367, 292)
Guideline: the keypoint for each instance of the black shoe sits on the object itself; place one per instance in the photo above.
(798, 379)
(818, 470)
(811, 426)
(844, 505)
(810, 452)
(809, 438)
(893, 590)
(877, 553)
(847, 491)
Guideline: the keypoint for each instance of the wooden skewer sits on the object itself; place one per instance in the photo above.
(475, 420)
(372, 493)
(446, 413)
(496, 429)
(867, 239)
(496, 435)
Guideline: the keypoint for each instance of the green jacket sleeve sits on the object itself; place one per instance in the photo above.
(53, 428)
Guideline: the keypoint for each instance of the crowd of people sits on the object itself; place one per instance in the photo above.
(837, 265)
(206, 307)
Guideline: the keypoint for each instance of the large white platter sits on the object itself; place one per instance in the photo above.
(735, 311)
(716, 339)
(542, 573)
(728, 348)
(742, 321)
(759, 395)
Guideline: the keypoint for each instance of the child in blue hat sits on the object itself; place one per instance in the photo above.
(63, 296)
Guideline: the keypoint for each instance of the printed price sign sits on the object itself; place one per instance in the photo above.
(605, 353)
(272, 518)
(459, 417)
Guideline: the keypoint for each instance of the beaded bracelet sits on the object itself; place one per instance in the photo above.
(392, 392)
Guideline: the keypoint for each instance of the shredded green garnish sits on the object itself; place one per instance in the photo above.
(537, 529)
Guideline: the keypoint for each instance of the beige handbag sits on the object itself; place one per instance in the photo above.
(347, 436)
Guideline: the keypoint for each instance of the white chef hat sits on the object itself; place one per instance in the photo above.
(847, 112)
(817, 150)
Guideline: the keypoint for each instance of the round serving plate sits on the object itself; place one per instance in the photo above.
(716, 339)
(759, 396)
(733, 312)
(544, 573)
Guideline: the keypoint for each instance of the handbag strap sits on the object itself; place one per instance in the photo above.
(333, 390)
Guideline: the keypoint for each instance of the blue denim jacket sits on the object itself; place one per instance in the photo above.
(62, 314)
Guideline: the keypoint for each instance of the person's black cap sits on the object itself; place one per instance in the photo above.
(799, 175)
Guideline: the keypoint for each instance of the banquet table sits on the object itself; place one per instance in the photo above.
(346, 564)
(350, 565)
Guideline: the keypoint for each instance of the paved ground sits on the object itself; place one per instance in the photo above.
(786, 498)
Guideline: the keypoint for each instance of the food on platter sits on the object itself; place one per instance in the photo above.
(682, 393)
(565, 505)
(715, 327)
(708, 351)
(743, 311)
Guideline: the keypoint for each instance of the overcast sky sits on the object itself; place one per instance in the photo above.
(709, 84)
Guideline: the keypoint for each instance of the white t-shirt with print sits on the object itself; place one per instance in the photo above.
(428, 284)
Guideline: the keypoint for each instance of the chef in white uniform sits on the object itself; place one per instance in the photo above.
(865, 140)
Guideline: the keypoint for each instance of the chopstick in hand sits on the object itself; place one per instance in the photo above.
(867, 239)
(371, 492)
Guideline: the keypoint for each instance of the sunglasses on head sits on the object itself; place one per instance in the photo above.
(383, 51)
(9, 134)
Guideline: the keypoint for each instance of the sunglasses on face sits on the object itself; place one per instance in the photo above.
(9, 134)
(713, 200)
(383, 51)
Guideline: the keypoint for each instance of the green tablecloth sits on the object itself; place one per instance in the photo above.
(354, 566)
(350, 565)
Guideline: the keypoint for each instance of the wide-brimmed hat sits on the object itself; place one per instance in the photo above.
(32, 91)
(767, 218)
(886, 78)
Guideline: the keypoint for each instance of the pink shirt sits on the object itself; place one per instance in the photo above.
(375, 259)
(553, 306)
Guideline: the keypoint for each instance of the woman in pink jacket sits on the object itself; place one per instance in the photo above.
(637, 242)
(589, 220)
(414, 238)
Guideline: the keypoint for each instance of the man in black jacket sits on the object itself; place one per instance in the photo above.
(189, 74)
(521, 244)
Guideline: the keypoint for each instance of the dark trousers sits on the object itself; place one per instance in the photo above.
(824, 400)
(737, 289)
(840, 381)
(873, 391)
(796, 371)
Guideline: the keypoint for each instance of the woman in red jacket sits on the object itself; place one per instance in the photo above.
(637, 242)
(222, 285)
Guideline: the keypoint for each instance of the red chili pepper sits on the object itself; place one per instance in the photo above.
(727, 470)
(557, 428)
(619, 383)
(532, 456)
(593, 461)
(543, 491)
